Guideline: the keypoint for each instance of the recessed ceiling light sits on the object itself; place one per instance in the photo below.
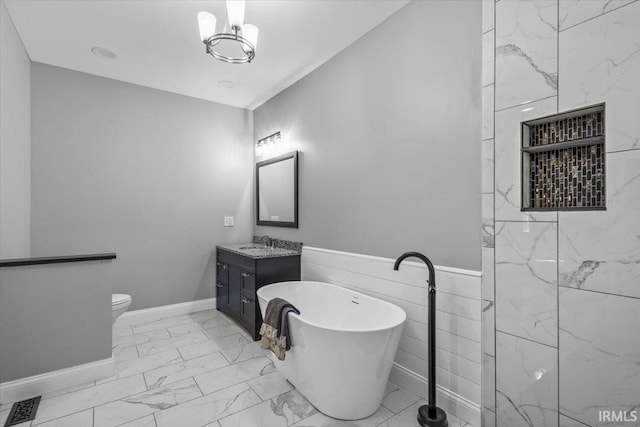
(226, 84)
(103, 52)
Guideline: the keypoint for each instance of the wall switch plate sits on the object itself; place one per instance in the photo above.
(228, 221)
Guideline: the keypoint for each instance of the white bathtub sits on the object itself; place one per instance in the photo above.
(343, 346)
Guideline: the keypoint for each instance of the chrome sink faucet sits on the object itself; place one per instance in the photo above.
(266, 240)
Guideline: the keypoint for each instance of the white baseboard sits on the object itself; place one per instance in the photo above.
(451, 402)
(37, 385)
(157, 313)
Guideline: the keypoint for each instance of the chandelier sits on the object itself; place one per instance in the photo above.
(245, 35)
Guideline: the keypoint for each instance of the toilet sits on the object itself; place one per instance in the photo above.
(119, 304)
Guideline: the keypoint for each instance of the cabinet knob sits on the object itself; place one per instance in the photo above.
(225, 266)
(246, 274)
(246, 301)
(217, 263)
(220, 285)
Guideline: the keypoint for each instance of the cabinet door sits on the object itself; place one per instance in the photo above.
(248, 299)
(247, 282)
(235, 281)
(248, 311)
(222, 285)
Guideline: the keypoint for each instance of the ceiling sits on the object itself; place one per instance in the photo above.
(157, 42)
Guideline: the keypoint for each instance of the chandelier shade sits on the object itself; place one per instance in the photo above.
(235, 12)
(207, 24)
(250, 33)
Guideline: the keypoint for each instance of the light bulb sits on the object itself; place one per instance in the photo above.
(250, 32)
(235, 12)
(207, 25)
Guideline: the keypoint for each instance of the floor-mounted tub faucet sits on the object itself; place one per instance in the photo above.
(429, 415)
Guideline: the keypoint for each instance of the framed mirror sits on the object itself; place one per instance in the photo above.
(277, 191)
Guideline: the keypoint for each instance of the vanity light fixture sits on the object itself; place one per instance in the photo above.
(268, 141)
(246, 35)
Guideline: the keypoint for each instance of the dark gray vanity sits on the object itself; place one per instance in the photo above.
(244, 268)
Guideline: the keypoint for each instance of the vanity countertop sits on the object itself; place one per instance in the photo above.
(258, 251)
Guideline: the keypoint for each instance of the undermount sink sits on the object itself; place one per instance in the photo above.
(244, 248)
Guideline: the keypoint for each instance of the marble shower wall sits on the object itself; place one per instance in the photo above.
(560, 290)
(488, 228)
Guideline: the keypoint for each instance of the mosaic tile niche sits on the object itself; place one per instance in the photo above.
(563, 161)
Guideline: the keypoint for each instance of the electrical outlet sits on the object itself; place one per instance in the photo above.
(228, 221)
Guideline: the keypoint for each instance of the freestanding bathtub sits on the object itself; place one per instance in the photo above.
(343, 346)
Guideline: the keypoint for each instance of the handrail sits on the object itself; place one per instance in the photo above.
(18, 262)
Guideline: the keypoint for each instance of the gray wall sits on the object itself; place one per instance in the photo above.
(140, 172)
(54, 317)
(15, 137)
(388, 130)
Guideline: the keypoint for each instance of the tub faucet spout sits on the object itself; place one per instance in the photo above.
(429, 415)
(427, 261)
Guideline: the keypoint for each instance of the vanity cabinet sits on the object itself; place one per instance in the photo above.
(239, 276)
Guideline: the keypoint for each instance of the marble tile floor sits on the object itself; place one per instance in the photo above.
(199, 369)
